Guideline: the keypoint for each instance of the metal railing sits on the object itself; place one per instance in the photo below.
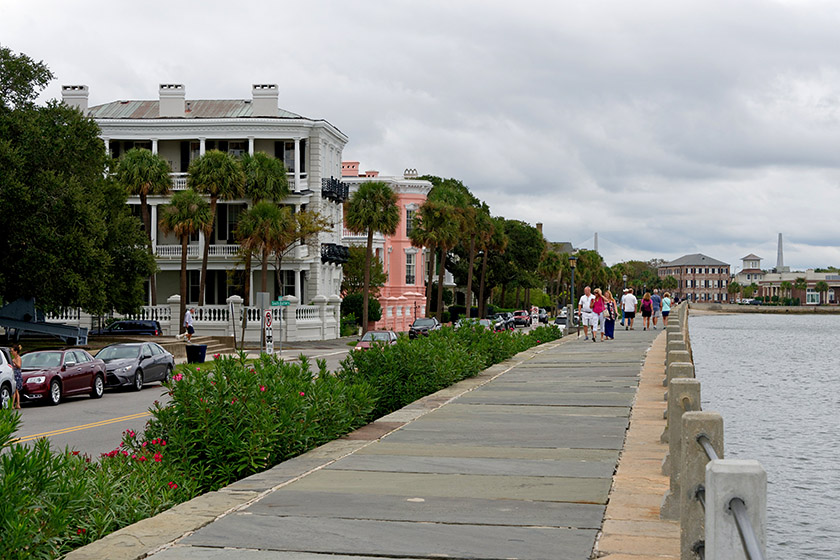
(720, 503)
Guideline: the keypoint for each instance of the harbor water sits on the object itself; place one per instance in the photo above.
(775, 379)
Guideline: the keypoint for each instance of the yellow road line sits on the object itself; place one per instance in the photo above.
(82, 427)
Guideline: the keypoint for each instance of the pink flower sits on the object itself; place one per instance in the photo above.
(262, 388)
(142, 458)
(302, 393)
(133, 455)
(81, 531)
(163, 442)
(158, 457)
(233, 400)
(173, 486)
(178, 377)
(125, 453)
(216, 356)
(198, 369)
(144, 444)
(75, 453)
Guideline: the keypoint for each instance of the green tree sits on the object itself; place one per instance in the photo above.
(219, 175)
(670, 283)
(296, 228)
(58, 246)
(257, 232)
(733, 288)
(822, 288)
(353, 273)
(143, 173)
(186, 214)
(372, 208)
(785, 287)
(265, 177)
(549, 269)
(800, 284)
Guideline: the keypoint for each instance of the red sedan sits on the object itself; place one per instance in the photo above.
(55, 374)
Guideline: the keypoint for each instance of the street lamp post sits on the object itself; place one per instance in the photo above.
(572, 265)
(624, 293)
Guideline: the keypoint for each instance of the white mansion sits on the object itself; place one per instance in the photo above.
(180, 130)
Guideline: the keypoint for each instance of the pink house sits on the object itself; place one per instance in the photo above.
(403, 297)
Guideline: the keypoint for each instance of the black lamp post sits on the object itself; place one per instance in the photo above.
(572, 265)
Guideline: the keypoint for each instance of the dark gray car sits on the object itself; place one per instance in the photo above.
(131, 364)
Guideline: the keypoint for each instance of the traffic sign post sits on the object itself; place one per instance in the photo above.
(269, 337)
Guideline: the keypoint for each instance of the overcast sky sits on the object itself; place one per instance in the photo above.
(668, 127)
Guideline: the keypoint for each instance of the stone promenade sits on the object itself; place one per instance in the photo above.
(516, 463)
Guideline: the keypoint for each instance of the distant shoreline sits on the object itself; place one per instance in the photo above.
(708, 308)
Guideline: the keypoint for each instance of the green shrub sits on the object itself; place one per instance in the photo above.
(349, 325)
(352, 305)
(240, 420)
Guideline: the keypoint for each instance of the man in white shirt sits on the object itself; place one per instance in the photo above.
(628, 303)
(588, 318)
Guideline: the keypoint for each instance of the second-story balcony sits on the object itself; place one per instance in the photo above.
(174, 251)
(349, 235)
(179, 182)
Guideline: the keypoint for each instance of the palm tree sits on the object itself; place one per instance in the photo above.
(265, 177)
(494, 240)
(786, 287)
(802, 285)
(186, 214)
(143, 173)
(255, 232)
(733, 288)
(372, 208)
(549, 268)
(219, 175)
(822, 288)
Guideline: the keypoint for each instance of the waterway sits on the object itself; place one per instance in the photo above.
(776, 381)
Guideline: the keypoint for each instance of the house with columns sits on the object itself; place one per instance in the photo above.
(180, 130)
(403, 297)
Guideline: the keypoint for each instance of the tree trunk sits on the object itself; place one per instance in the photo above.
(503, 294)
(516, 299)
(147, 223)
(265, 271)
(247, 290)
(366, 287)
(441, 272)
(482, 308)
(208, 233)
(185, 239)
(429, 283)
(470, 277)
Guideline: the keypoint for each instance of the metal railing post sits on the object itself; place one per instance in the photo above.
(683, 397)
(692, 475)
(732, 486)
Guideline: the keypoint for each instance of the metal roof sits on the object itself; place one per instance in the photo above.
(198, 109)
(697, 259)
(751, 257)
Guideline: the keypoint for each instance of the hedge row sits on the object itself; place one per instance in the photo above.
(222, 423)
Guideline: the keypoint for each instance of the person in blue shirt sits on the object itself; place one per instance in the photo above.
(657, 306)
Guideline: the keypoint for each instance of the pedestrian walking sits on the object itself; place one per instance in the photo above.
(189, 331)
(598, 306)
(610, 315)
(666, 308)
(629, 307)
(647, 310)
(588, 318)
(657, 306)
(16, 365)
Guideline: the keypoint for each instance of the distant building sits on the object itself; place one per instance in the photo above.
(751, 272)
(403, 297)
(700, 278)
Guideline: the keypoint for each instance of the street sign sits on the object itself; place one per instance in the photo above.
(269, 338)
(280, 303)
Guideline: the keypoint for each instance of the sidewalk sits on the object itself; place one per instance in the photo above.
(516, 463)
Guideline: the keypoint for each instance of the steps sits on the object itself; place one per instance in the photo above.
(215, 345)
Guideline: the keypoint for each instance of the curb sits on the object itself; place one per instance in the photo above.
(154, 534)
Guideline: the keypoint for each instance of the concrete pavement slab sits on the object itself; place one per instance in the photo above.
(388, 447)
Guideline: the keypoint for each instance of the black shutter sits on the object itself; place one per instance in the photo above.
(185, 156)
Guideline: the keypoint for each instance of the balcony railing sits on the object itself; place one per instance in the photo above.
(224, 250)
(347, 234)
(179, 181)
(174, 251)
(332, 253)
(335, 190)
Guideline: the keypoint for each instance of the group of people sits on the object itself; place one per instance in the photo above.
(599, 311)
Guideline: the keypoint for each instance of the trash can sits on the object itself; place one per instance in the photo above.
(196, 353)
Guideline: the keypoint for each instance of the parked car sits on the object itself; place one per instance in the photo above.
(542, 316)
(7, 378)
(134, 327)
(423, 326)
(372, 337)
(507, 320)
(55, 374)
(131, 364)
(521, 317)
(486, 323)
(562, 319)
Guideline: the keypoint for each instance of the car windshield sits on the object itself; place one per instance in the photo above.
(118, 353)
(37, 360)
(424, 323)
(485, 322)
(376, 336)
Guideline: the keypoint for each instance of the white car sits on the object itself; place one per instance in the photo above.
(7, 378)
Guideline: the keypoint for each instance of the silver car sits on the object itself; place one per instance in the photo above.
(131, 364)
(7, 378)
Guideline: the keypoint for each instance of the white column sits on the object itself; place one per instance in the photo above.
(154, 145)
(298, 282)
(251, 145)
(153, 225)
(297, 164)
(107, 142)
(202, 142)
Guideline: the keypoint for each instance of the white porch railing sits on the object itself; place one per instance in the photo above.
(179, 181)
(224, 250)
(174, 251)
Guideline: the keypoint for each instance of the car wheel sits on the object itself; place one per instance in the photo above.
(168, 375)
(55, 392)
(98, 386)
(138, 380)
(5, 397)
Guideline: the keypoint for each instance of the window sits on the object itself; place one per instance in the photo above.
(409, 268)
(812, 297)
(409, 221)
(237, 148)
(193, 285)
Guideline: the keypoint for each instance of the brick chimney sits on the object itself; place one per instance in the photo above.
(265, 99)
(75, 96)
(539, 227)
(172, 100)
